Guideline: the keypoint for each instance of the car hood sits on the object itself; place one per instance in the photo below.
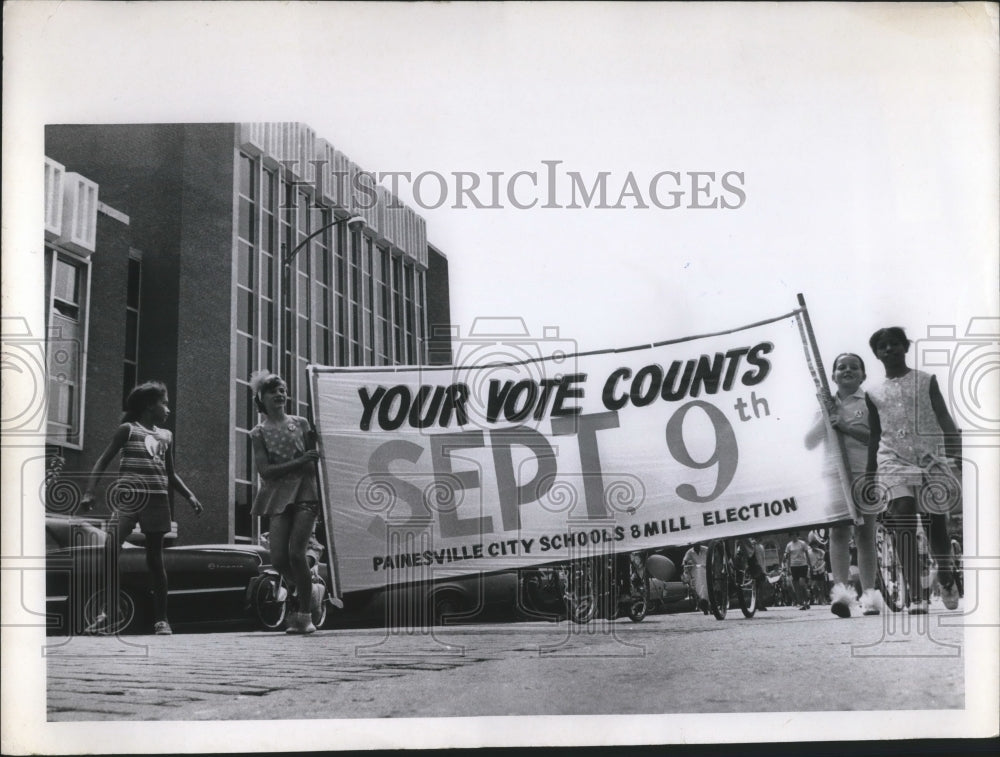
(242, 548)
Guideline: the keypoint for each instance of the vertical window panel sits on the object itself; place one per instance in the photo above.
(246, 221)
(128, 379)
(65, 323)
(244, 310)
(133, 299)
(244, 264)
(398, 312)
(131, 335)
(134, 281)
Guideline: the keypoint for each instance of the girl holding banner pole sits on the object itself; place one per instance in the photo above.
(848, 413)
(285, 456)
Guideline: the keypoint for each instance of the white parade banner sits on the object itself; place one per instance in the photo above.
(432, 471)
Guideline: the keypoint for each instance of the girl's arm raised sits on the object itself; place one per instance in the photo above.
(175, 481)
(817, 433)
(113, 448)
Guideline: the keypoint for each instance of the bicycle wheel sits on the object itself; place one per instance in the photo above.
(638, 607)
(269, 607)
(744, 585)
(746, 592)
(126, 618)
(581, 596)
(638, 610)
(718, 579)
(319, 604)
(889, 577)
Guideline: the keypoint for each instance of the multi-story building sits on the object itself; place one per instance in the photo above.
(184, 281)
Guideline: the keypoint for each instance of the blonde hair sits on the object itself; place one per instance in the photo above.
(263, 381)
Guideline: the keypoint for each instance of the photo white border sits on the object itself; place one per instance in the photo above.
(42, 67)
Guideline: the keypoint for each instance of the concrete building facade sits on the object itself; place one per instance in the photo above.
(185, 283)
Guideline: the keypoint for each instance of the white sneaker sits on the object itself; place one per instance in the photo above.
(949, 596)
(300, 623)
(841, 599)
(871, 602)
(99, 625)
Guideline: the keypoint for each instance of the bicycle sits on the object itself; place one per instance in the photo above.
(779, 589)
(270, 598)
(633, 588)
(730, 577)
(580, 592)
(889, 578)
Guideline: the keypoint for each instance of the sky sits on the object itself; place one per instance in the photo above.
(865, 136)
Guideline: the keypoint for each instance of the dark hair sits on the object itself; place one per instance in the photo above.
(895, 333)
(143, 397)
(849, 354)
(266, 384)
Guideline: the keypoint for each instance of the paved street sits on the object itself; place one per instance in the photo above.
(782, 660)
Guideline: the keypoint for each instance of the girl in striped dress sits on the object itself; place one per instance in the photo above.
(146, 474)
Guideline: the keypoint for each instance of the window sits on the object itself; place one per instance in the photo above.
(254, 308)
(67, 279)
(354, 297)
(384, 307)
(368, 275)
(398, 312)
(302, 276)
(340, 298)
(66, 288)
(342, 301)
(322, 304)
(421, 321)
(130, 374)
(411, 316)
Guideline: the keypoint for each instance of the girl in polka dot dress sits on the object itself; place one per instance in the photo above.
(288, 494)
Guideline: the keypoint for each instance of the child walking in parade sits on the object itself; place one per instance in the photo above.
(915, 452)
(693, 574)
(146, 475)
(848, 412)
(758, 572)
(817, 571)
(797, 561)
(289, 494)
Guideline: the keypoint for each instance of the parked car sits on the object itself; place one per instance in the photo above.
(207, 582)
(620, 590)
(466, 599)
(525, 594)
(672, 595)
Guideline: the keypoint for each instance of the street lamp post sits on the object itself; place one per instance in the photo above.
(286, 267)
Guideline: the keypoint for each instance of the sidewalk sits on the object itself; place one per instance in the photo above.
(784, 659)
